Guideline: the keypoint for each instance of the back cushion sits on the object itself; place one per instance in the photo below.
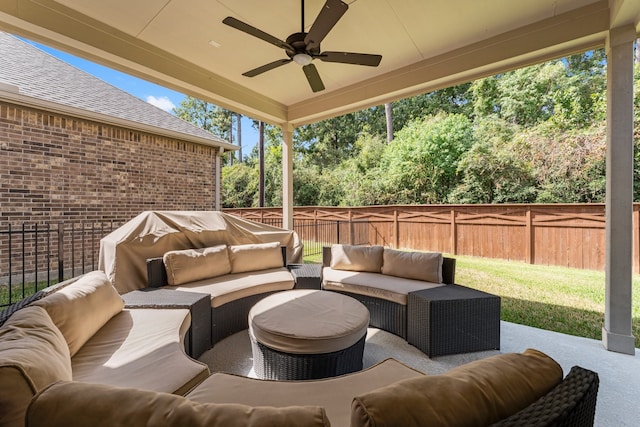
(254, 257)
(357, 258)
(80, 309)
(33, 354)
(479, 393)
(74, 404)
(190, 265)
(426, 266)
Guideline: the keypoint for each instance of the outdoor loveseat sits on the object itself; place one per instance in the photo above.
(414, 295)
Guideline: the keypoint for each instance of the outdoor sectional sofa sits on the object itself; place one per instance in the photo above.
(72, 355)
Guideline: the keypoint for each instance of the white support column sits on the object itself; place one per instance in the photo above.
(218, 180)
(287, 176)
(616, 333)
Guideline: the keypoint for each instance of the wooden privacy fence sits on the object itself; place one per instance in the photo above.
(571, 235)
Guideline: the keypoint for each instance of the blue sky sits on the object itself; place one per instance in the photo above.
(157, 95)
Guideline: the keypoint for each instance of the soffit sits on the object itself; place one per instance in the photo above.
(424, 44)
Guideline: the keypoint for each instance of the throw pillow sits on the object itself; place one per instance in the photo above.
(190, 265)
(357, 258)
(425, 266)
(80, 309)
(479, 393)
(255, 257)
(33, 354)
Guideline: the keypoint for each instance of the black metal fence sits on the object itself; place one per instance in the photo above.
(36, 255)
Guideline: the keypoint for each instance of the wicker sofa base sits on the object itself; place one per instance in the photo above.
(383, 314)
(232, 317)
(276, 365)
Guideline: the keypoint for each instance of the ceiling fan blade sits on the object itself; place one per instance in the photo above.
(351, 58)
(266, 67)
(329, 15)
(313, 77)
(244, 27)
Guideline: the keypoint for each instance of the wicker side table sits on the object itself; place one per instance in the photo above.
(306, 276)
(198, 339)
(453, 319)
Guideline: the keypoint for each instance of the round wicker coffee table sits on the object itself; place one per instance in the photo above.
(307, 334)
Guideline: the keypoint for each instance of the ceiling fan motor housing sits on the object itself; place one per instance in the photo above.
(296, 40)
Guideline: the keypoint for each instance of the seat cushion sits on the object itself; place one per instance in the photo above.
(33, 354)
(334, 394)
(80, 309)
(479, 393)
(76, 404)
(189, 265)
(425, 266)
(307, 321)
(231, 287)
(141, 348)
(357, 258)
(377, 285)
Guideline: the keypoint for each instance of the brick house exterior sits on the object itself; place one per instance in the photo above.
(78, 152)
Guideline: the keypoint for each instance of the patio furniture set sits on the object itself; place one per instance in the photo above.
(128, 358)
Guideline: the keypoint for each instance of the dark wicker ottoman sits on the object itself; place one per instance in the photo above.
(453, 319)
(307, 334)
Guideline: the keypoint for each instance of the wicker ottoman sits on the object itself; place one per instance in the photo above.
(453, 319)
(307, 334)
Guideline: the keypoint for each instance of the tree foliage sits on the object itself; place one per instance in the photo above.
(535, 134)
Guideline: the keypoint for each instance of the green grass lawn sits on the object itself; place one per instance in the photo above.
(554, 298)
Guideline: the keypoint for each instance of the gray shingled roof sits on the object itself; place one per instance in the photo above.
(42, 76)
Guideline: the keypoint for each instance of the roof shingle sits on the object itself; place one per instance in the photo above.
(42, 76)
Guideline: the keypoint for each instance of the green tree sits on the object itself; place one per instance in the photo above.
(493, 170)
(422, 161)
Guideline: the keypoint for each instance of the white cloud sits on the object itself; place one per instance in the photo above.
(161, 102)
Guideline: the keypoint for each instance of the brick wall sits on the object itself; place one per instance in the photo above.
(85, 177)
(55, 167)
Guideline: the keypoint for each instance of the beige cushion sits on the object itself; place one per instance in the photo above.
(307, 321)
(377, 285)
(232, 287)
(479, 393)
(255, 257)
(33, 354)
(333, 394)
(190, 265)
(76, 404)
(141, 348)
(425, 266)
(80, 309)
(356, 258)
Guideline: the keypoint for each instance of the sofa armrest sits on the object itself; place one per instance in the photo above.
(570, 403)
(448, 270)
(156, 273)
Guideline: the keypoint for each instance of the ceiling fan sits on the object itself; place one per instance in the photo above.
(302, 48)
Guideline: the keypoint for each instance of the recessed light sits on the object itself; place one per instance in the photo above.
(214, 43)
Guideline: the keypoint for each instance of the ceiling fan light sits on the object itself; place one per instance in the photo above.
(302, 59)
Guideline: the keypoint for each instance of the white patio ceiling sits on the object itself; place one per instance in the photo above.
(425, 44)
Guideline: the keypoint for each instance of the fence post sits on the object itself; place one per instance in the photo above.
(454, 233)
(350, 227)
(529, 239)
(60, 252)
(338, 231)
(396, 229)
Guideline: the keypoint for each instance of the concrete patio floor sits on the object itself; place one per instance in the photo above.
(618, 395)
